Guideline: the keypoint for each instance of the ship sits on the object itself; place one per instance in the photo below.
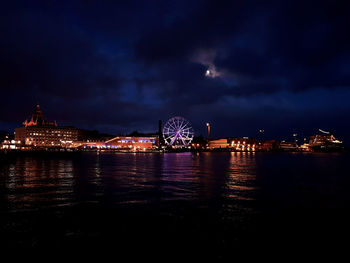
(325, 141)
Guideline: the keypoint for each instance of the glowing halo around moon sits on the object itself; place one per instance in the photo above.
(211, 72)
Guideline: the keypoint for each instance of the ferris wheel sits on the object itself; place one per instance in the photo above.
(178, 131)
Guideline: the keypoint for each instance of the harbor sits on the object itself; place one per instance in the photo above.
(177, 135)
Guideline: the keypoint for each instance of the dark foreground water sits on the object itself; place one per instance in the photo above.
(205, 205)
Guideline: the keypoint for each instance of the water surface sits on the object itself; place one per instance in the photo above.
(207, 205)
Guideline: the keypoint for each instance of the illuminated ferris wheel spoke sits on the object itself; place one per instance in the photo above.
(175, 125)
(172, 126)
(174, 139)
(182, 139)
(183, 126)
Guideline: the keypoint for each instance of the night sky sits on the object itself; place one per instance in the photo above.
(120, 66)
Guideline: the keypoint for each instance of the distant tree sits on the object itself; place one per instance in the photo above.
(135, 133)
(199, 139)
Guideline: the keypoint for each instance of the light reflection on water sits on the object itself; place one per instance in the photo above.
(213, 200)
(31, 182)
(241, 176)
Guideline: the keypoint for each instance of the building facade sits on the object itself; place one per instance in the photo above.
(218, 144)
(243, 144)
(133, 143)
(38, 133)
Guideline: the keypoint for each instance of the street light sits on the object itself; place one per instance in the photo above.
(208, 125)
(261, 131)
(295, 137)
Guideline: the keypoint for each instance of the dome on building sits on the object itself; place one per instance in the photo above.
(37, 119)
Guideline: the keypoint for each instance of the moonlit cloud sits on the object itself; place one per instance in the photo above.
(206, 58)
(212, 72)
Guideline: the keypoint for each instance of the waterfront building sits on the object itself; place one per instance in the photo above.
(234, 144)
(89, 144)
(199, 143)
(243, 144)
(288, 146)
(218, 144)
(125, 143)
(132, 143)
(305, 147)
(268, 145)
(39, 133)
(10, 144)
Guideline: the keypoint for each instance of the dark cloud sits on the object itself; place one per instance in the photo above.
(122, 65)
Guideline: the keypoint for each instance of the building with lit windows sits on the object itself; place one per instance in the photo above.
(218, 144)
(268, 145)
(234, 144)
(133, 143)
(39, 133)
(243, 144)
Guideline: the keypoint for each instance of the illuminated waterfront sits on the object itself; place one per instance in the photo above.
(207, 204)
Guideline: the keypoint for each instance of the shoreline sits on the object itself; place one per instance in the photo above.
(65, 152)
